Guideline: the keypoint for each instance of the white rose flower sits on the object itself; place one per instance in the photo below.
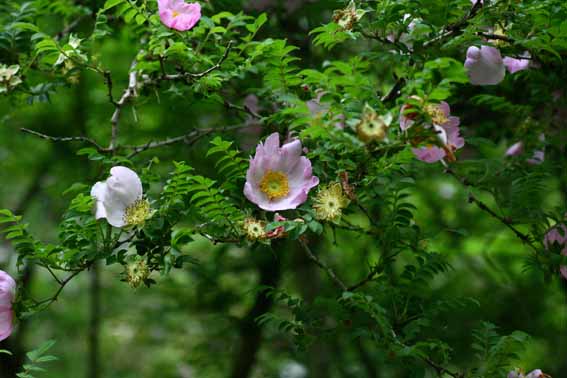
(119, 198)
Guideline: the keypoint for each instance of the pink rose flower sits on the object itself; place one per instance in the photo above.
(484, 65)
(445, 125)
(317, 109)
(279, 178)
(517, 149)
(7, 288)
(179, 15)
(560, 237)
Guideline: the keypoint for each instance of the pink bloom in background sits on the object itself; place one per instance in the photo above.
(445, 125)
(518, 373)
(7, 288)
(317, 109)
(485, 65)
(279, 178)
(406, 117)
(404, 38)
(514, 65)
(560, 237)
(450, 137)
(516, 149)
(537, 158)
(179, 15)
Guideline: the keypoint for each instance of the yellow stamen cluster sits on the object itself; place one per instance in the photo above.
(330, 202)
(175, 14)
(137, 213)
(436, 114)
(254, 229)
(136, 273)
(347, 17)
(274, 185)
(371, 127)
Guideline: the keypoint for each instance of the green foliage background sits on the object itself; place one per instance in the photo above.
(454, 286)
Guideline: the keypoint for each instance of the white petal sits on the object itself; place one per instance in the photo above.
(441, 133)
(99, 191)
(124, 186)
(115, 214)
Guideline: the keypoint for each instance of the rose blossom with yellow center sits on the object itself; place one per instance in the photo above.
(279, 177)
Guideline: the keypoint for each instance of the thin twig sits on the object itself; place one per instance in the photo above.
(108, 82)
(482, 206)
(371, 275)
(395, 92)
(244, 109)
(62, 284)
(440, 369)
(128, 93)
(53, 275)
(496, 36)
(456, 28)
(323, 266)
(66, 139)
(188, 138)
(69, 28)
(189, 75)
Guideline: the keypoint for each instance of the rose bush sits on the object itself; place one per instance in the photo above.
(231, 184)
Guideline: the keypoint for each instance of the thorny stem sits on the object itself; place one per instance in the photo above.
(128, 93)
(188, 138)
(66, 139)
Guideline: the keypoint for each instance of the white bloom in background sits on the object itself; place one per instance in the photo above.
(119, 198)
(293, 369)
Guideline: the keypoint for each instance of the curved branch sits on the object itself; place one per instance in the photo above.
(50, 138)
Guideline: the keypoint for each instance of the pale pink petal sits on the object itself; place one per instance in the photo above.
(6, 323)
(453, 121)
(557, 236)
(484, 66)
(178, 15)
(444, 107)
(537, 373)
(429, 154)
(514, 65)
(7, 289)
(515, 149)
(537, 158)
(405, 121)
(454, 138)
